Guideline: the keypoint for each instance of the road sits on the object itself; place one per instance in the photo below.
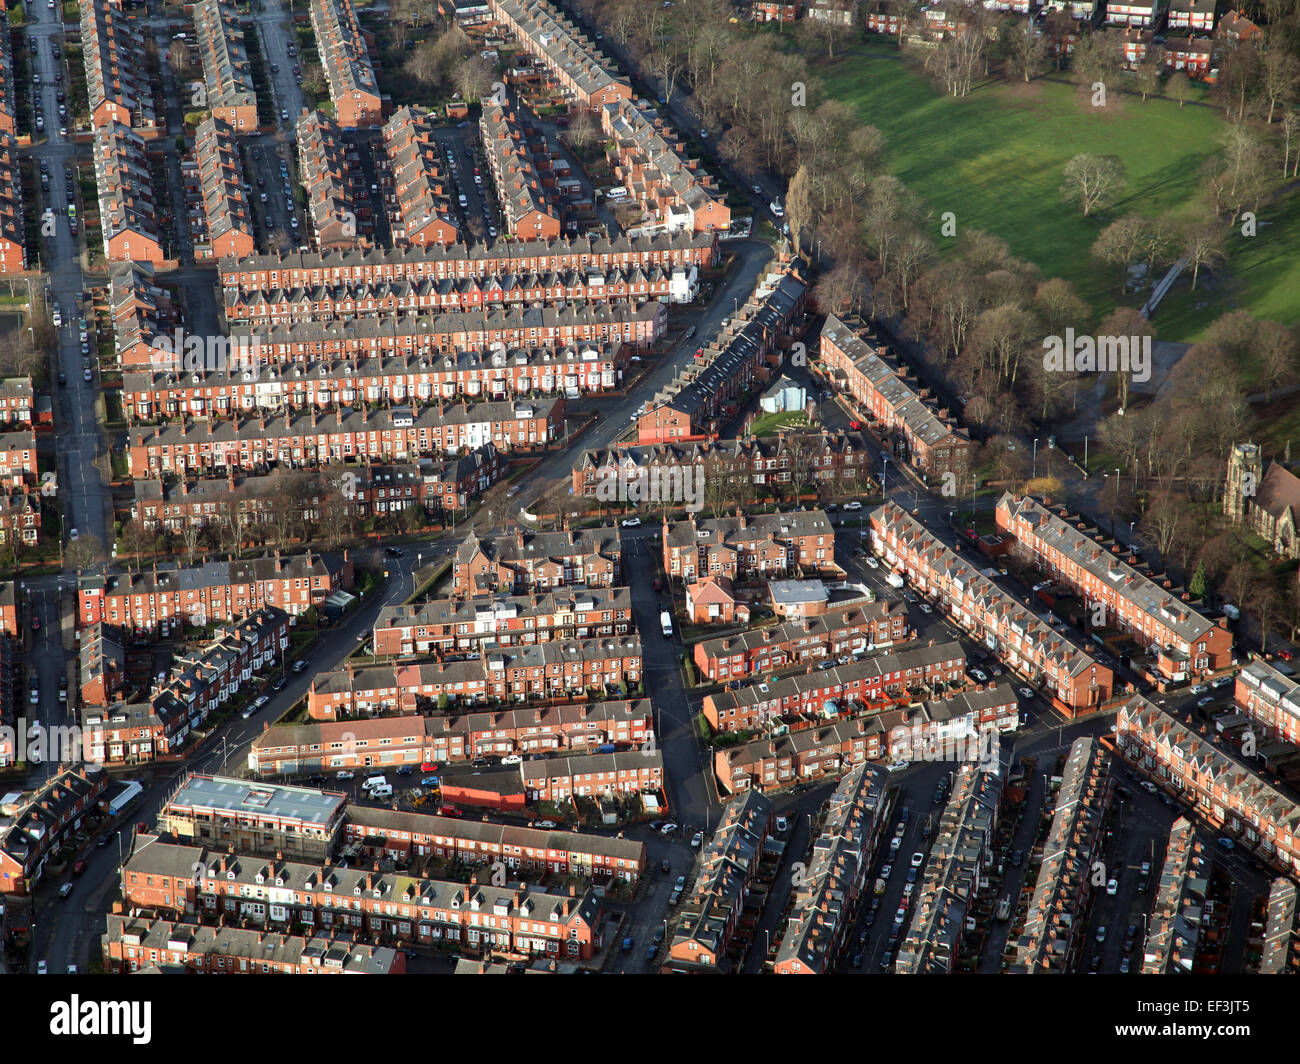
(83, 493)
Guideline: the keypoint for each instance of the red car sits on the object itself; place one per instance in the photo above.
(428, 766)
(659, 583)
(855, 425)
(36, 624)
(1285, 655)
(451, 811)
(78, 868)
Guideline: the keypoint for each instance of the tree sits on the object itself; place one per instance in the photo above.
(1275, 345)
(1092, 181)
(1290, 134)
(1026, 50)
(798, 208)
(1179, 87)
(1239, 77)
(1119, 244)
(1098, 57)
(84, 552)
(1265, 604)
(313, 80)
(1199, 582)
(1149, 72)
(1278, 78)
(472, 77)
(1058, 305)
(1125, 321)
(1203, 245)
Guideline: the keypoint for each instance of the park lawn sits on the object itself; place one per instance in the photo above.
(771, 424)
(995, 160)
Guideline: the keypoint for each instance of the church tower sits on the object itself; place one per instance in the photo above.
(1245, 471)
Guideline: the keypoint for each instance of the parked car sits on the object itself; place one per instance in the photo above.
(65, 890)
(344, 774)
(697, 840)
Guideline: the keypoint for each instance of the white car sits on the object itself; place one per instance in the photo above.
(980, 675)
(546, 824)
(1112, 887)
(1197, 689)
(73, 534)
(631, 522)
(346, 775)
(669, 828)
(918, 859)
(1026, 692)
(871, 563)
(697, 840)
(854, 505)
(926, 608)
(41, 967)
(512, 759)
(72, 969)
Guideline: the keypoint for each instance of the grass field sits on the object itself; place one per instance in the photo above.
(995, 160)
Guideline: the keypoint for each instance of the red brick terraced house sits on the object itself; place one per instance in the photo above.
(140, 311)
(219, 173)
(101, 661)
(13, 251)
(399, 836)
(199, 684)
(291, 270)
(117, 80)
(558, 670)
(1143, 13)
(650, 161)
(1187, 643)
(415, 739)
(536, 561)
(1271, 699)
(561, 779)
(746, 548)
(710, 915)
(699, 400)
(344, 52)
(273, 892)
(837, 634)
(18, 458)
(835, 462)
(127, 212)
(227, 75)
(329, 167)
(42, 826)
(211, 592)
(1223, 793)
(416, 188)
(575, 62)
(933, 441)
(519, 163)
(16, 399)
(9, 619)
(309, 439)
(148, 395)
(818, 752)
(874, 682)
(825, 904)
(139, 944)
(1192, 15)
(1194, 55)
(8, 87)
(1028, 646)
(449, 626)
(1055, 925)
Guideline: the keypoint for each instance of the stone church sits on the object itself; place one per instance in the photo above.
(1266, 500)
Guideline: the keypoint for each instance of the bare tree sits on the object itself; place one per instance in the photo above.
(1203, 245)
(1092, 181)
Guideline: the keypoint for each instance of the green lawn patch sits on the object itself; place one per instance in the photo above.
(995, 159)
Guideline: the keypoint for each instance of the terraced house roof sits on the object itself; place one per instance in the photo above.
(565, 46)
(221, 173)
(1143, 593)
(327, 176)
(416, 166)
(342, 49)
(509, 145)
(113, 54)
(126, 203)
(220, 43)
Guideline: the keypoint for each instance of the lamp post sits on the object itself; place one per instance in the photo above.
(1115, 513)
(1035, 473)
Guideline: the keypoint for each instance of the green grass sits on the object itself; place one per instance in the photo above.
(995, 159)
(771, 424)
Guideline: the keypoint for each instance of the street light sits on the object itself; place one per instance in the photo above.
(1035, 476)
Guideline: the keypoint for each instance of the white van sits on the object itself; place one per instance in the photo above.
(617, 192)
(381, 791)
(374, 781)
